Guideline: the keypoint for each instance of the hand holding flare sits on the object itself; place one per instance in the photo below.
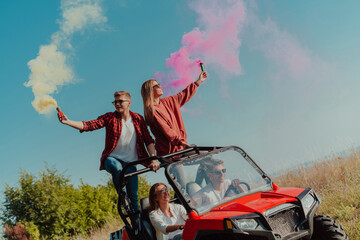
(202, 67)
(64, 120)
(203, 74)
(61, 115)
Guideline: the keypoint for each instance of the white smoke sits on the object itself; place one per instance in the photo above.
(50, 68)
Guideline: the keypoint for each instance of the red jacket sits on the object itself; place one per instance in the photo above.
(167, 125)
(112, 122)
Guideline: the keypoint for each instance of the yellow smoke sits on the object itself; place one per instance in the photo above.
(50, 69)
(45, 104)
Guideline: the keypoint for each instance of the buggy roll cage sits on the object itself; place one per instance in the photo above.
(124, 207)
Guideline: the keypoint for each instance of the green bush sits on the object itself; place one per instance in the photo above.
(144, 188)
(32, 230)
(52, 205)
(51, 208)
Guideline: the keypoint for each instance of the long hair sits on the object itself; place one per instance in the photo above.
(147, 93)
(153, 203)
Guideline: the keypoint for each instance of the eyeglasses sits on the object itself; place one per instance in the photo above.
(165, 189)
(157, 86)
(220, 172)
(119, 101)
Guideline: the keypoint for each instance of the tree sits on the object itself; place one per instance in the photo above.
(144, 188)
(55, 207)
(50, 207)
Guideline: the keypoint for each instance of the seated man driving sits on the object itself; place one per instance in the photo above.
(217, 185)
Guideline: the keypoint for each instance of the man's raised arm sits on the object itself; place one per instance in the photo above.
(75, 124)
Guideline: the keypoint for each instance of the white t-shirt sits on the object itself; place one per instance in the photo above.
(208, 195)
(160, 221)
(125, 149)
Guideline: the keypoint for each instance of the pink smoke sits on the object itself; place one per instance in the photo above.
(217, 44)
(280, 47)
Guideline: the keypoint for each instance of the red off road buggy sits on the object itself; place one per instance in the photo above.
(261, 211)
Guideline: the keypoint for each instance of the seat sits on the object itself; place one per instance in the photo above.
(145, 227)
(201, 176)
(192, 188)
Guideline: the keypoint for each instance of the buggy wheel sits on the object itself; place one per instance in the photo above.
(326, 228)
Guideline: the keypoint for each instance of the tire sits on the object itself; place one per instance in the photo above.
(326, 228)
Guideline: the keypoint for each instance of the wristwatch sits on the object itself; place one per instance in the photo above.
(181, 227)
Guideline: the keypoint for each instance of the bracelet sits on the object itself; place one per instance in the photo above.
(181, 227)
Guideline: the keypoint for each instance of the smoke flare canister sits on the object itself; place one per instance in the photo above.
(60, 112)
(202, 67)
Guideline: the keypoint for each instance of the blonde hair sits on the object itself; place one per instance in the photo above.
(147, 93)
(121, 93)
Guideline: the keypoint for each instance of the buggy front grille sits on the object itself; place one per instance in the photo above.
(285, 222)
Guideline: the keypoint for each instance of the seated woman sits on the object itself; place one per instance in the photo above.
(167, 219)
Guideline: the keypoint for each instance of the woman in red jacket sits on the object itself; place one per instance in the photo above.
(163, 115)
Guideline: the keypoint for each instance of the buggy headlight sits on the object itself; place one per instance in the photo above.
(307, 203)
(247, 223)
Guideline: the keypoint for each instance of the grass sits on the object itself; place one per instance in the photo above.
(337, 181)
(103, 232)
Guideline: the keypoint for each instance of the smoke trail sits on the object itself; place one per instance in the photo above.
(50, 69)
(279, 47)
(223, 26)
(216, 44)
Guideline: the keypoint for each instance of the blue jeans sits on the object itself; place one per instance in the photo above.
(114, 167)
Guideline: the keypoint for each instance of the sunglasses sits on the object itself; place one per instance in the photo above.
(119, 101)
(220, 172)
(165, 189)
(157, 86)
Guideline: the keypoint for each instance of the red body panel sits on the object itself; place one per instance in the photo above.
(258, 202)
(124, 235)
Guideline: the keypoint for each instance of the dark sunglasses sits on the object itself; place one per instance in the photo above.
(157, 86)
(165, 189)
(119, 101)
(220, 171)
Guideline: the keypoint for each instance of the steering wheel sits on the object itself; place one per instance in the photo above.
(246, 185)
(231, 191)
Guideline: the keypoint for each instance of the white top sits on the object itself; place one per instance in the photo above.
(160, 221)
(208, 195)
(125, 149)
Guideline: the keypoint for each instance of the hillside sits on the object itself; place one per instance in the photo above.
(337, 181)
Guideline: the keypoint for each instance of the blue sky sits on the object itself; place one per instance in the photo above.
(280, 113)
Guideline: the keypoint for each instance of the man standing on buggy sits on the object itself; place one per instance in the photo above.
(126, 138)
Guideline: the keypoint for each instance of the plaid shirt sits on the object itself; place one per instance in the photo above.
(112, 122)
